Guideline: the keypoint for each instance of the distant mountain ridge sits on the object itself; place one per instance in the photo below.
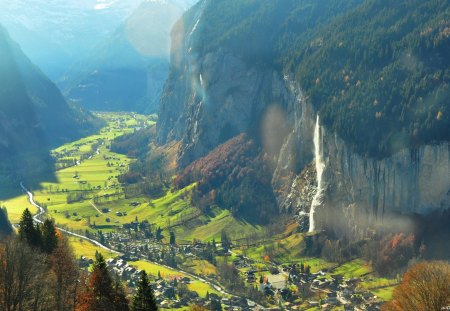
(127, 71)
(55, 33)
(34, 115)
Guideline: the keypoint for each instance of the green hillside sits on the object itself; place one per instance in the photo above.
(372, 64)
(34, 116)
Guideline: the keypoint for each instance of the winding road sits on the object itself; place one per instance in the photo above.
(41, 212)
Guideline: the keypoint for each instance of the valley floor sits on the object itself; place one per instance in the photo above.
(88, 199)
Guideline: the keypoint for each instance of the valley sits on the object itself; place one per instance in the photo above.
(88, 199)
(211, 155)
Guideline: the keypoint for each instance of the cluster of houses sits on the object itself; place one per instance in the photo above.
(333, 290)
(167, 291)
(325, 291)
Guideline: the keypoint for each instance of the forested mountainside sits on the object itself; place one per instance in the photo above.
(376, 72)
(34, 115)
(127, 71)
(363, 64)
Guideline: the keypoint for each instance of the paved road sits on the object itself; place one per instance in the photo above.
(41, 212)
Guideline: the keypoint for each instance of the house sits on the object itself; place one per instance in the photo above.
(332, 298)
(226, 301)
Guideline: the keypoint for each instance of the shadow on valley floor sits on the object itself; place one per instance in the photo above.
(31, 169)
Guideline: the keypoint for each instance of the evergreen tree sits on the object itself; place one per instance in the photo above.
(226, 243)
(49, 237)
(144, 299)
(28, 232)
(159, 235)
(216, 305)
(172, 238)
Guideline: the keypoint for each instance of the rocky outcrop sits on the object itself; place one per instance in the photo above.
(365, 193)
(209, 99)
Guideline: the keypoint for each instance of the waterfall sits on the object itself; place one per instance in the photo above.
(320, 166)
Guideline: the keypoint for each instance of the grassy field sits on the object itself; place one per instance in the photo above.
(15, 207)
(200, 267)
(84, 248)
(95, 175)
(153, 269)
(353, 269)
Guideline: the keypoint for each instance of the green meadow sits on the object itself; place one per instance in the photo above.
(93, 172)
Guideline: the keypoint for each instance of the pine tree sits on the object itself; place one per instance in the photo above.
(172, 238)
(49, 237)
(28, 232)
(226, 244)
(144, 299)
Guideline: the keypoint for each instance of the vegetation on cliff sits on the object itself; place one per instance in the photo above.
(376, 71)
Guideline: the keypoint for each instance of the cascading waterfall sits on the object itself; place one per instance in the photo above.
(320, 166)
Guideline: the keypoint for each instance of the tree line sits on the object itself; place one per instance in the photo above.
(38, 271)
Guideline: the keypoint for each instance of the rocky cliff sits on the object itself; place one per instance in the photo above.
(214, 94)
(365, 193)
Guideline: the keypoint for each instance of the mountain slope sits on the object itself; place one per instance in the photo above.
(384, 67)
(33, 115)
(127, 71)
(376, 72)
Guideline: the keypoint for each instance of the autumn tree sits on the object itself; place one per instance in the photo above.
(37, 276)
(394, 252)
(102, 292)
(23, 284)
(197, 308)
(64, 273)
(425, 287)
(144, 300)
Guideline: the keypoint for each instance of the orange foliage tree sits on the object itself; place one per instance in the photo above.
(425, 287)
(101, 292)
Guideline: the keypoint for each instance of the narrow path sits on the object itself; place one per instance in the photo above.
(96, 208)
(41, 212)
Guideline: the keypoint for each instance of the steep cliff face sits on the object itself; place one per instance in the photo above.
(219, 96)
(364, 193)
(211, 98)
(214, 94)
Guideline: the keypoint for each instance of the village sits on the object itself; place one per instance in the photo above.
(287, 286)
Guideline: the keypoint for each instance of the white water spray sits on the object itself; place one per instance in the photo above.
(320, 166)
